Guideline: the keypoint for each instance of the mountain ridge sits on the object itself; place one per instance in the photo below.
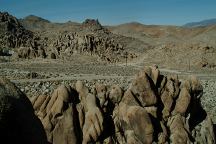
(203, 23)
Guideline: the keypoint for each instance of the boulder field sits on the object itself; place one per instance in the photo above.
(153, 109)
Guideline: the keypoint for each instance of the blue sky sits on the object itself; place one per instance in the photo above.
(112, 12)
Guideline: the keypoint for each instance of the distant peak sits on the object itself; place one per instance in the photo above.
(35, 18)
(135, 23)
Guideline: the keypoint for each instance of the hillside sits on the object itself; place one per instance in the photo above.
(173, 46)
(34, 22)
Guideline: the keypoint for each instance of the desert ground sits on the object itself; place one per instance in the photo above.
(37, 77)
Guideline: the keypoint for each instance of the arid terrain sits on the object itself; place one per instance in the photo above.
(38, 56)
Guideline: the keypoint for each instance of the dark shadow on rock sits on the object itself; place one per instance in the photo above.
(109, 128)
(108, 123)
(214, 128)
(74, 99)
(18, 123)
(157, 127)
(198, 114)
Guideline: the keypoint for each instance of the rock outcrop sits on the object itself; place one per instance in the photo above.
(17, 41)
(92, 25)
(154, 109)
(12, 33)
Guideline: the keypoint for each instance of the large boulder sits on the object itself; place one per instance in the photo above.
(115, 94)
(18, 123)
(143, 89)
(183, 102)
(135, 123)
(93, 126)
(179, 132)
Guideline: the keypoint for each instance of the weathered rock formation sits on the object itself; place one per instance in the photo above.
(18, 123)
(91, 38)
(68, 44)
(154, 108)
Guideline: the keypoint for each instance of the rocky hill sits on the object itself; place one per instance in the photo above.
(16, 40)
(93, 27)
(51, 40)
(12, 33)
(88, 38)
(156, 34)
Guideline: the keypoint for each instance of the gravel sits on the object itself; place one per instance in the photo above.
(46, 88)
(208, 99)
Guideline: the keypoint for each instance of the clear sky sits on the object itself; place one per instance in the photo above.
(112, 12)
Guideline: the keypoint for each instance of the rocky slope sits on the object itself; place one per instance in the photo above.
(12, 33)
(182, 56)
(173, 47)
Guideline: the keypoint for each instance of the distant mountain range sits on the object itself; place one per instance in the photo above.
(35, 22)
(203, 23)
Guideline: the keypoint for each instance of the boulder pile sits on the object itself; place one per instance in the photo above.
(153, 109)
